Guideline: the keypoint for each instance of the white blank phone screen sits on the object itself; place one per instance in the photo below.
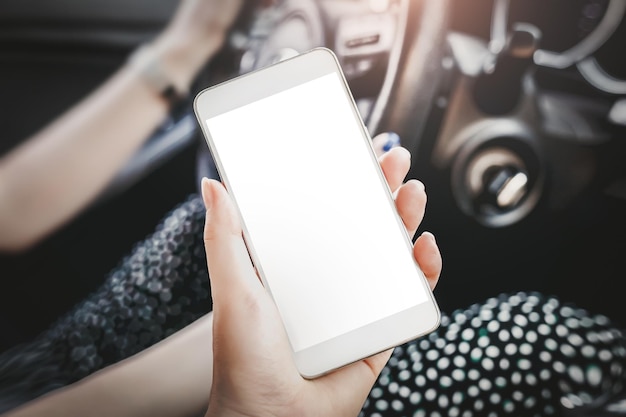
(315, 211)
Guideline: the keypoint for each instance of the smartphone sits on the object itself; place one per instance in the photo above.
(318, 217)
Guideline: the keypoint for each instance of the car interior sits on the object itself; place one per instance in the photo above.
(514, 112)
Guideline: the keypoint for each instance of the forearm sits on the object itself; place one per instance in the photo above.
(59, 171)
(172, 378)
(56, 173)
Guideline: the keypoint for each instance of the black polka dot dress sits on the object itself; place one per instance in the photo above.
(524, 354)
(520, 355)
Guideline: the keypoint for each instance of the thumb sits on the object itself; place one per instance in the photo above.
(229, 264)
(359, 376)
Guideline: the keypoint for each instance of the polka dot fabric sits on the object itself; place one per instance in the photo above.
(520, 355)
(158, 289)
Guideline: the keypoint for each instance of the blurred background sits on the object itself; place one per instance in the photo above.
(514, 111)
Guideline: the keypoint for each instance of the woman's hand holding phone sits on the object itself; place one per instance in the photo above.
(254, 371)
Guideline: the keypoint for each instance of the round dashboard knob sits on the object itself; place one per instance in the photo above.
(497, 181)
(505, 187)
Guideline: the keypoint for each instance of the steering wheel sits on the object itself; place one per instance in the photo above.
(413, 71)
(406, 38)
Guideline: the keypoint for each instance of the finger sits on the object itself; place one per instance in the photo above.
(411, 204)
(395, 165)
(228, 261)
(428, 257)
(384, 142)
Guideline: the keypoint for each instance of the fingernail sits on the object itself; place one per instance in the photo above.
(393, 140)
(419, 184)
(429, 236)
(206, 193)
